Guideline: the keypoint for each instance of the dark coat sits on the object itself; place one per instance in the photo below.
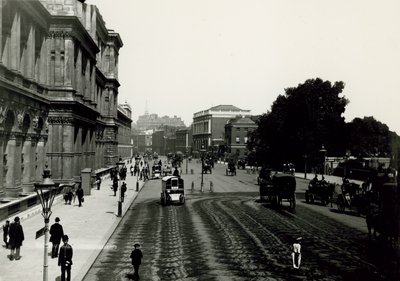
(16, 234)
(65, 255)
(136, 257)
(79, 193)
(56, 232)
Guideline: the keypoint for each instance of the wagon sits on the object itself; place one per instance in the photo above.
(156, 172)
(172, 190)
(280, 187)
(206, 168)
(320, 190)
(231, 169)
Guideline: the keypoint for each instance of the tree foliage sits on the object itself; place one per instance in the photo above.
(368, 137)
(300, 122)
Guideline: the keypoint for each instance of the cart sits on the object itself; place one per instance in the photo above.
(280, 187)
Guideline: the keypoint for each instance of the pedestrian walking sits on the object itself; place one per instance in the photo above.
(16, 234)
(136, 256)
(115, 186)
(6, 228)
(98, 182)
(65, 259)
(296, 254)
(68, 194)
(79, 193)
(56, 233)
(123, 190)
(176, 172)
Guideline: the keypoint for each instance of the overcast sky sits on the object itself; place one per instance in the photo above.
(183, 56)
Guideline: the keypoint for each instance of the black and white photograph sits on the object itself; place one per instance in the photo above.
(213, 140)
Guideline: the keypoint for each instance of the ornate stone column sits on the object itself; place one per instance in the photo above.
(26, 164)
(9, 163)
(15, 42)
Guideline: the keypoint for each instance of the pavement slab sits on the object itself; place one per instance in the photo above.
(89, 227)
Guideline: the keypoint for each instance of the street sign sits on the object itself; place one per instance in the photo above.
(40, 232)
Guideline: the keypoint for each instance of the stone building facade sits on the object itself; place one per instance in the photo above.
(237, 132)
(124, 122)
(184, 140)
(209, 125)
(58, 92)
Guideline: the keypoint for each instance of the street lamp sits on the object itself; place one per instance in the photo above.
(323, 152)
(305, 166)
(346, 158)
(46, 192)
(120, 164)
(202, 154)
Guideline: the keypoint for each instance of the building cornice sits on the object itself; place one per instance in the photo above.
(37, 12)
(72, 26)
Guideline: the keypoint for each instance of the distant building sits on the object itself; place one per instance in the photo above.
(184, 140)
(209, 125)
(124, 138)
(152, 122)
(158, 142)
(236, 135)
(145, 141)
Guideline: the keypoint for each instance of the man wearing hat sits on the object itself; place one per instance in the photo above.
(56, 233)
(136, 257)
(16, 234)
(65, 259)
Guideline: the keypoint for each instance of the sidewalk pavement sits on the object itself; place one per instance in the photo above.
(88, 227)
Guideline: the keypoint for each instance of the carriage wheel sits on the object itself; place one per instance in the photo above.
(307, 197)
(312, 198)
(340, 203)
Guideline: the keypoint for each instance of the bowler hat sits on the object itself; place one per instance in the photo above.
(65, 238)
(136, 245)
(57, 219)
(16, 219)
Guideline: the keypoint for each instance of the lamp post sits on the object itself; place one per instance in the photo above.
(323, 152)
(346, 158)
(202, 154)
(46, 192)
(120, 164)
(305, 166)
(186, 159)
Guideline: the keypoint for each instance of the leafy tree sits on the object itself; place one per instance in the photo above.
(368, 137)
(300, 122)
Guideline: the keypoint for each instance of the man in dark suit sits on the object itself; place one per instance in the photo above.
(65, 259)
(136, 257)
(56, 232)
(16, 234)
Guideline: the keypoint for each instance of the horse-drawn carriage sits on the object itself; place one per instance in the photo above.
(207, 167)
(231, 169)
(352, 197)
(383, 212)
(156, 171)
(320, 190)
(241, 164)
(279, 187)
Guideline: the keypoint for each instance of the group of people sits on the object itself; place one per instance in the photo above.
(71, 192)
(13, 236)
(64, 253)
